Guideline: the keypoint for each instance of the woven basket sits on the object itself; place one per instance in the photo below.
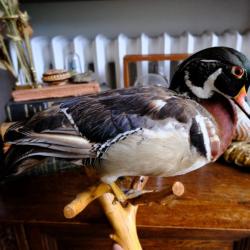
(238, 153)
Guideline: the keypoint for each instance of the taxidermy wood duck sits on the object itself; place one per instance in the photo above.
(151, 131)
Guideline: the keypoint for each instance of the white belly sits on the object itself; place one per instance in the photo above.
(151, 153)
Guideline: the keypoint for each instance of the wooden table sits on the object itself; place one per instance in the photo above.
(214, 213)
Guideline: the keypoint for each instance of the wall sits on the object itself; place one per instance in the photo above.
(153, 17)
(6, 81)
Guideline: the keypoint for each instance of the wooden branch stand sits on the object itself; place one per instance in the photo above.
(122, 217)
(123, 221)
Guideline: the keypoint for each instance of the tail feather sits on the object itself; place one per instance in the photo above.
(72, 141)
(22, 160)
(29, 149)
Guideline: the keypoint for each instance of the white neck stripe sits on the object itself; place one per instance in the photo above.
(207, 90)
(209, 61)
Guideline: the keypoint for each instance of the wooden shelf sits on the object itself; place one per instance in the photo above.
(67, 90)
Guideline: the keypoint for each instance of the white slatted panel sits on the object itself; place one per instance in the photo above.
(120, 51)
(60, 48)
(82, 47)
(100, 57)
(13, 56)
(165, 48)
(142, 48)
(42, 51)
(102, 50)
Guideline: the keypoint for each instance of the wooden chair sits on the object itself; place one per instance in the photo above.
(151, 58)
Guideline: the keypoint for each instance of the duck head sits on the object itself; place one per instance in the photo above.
(216, 70)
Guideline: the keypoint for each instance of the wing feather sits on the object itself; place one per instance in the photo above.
(71, 130)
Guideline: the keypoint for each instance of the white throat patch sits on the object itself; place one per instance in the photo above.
(207, 90)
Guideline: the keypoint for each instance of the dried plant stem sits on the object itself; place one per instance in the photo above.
(7, 62)
(19, 48)
(32, 67)
(20, 38)
(4, 6)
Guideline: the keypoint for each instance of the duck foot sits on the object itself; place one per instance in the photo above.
(133, 193)
(119, 194)
(163, 196)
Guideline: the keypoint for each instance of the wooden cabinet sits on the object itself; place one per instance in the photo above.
(214, 213)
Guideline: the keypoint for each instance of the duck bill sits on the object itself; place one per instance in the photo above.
(240, 99)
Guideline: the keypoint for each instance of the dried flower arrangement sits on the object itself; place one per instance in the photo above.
(15, 28)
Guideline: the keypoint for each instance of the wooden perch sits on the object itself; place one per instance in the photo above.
(122, 218)
(83, 199)
(161, 196)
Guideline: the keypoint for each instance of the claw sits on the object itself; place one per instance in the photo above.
(119, 194)
(133, 193)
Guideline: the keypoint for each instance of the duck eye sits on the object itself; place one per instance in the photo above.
(237, 71)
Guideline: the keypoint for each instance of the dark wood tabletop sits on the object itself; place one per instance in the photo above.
(213, 213)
